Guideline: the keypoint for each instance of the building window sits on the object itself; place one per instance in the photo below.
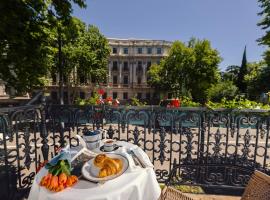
(139, 66)
(82, 95)
(54, 79)
(82, 79)
(125, 80)
(158, 62)
(125, 66)
(139, 80)
(149, 50)
(114, 50)
(104, 96)
(114, 79)
(139, 95)
(158, 50)
(148, 95)
(125, 50)
(114, 66)
(54, 95)
(156, 95)
(114, 94)
(65, 79)
(139, 50)
(148, 65)
(125, 95)
(65, 97)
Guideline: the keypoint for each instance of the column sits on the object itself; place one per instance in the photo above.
(144, 72)
(134, 71)
(120, 73)
(110, 72)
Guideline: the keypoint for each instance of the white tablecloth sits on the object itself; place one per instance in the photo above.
(135, 184)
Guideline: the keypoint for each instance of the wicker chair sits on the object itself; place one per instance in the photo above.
(169, 193)
(258, 187)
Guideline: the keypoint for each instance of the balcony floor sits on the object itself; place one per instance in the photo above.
(212, 197)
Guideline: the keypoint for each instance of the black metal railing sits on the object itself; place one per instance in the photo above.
(195, 146)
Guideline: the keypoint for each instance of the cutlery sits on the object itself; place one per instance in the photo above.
(141, 163)
(135, 158)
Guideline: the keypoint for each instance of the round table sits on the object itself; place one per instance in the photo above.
(135, 184)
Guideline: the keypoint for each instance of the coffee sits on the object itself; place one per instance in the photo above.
(109, 145)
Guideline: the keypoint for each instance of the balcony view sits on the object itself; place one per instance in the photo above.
(134, 100)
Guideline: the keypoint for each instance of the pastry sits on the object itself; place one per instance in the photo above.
(107, 166)
(99, 160)
(119, 164)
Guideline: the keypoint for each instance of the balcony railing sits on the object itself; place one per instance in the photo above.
(216, 149)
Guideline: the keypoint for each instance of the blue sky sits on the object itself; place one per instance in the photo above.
(228, 24)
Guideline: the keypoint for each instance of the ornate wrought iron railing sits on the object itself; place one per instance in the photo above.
(210, 148)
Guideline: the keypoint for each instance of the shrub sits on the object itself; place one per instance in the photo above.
(221, 90)
(187, 102)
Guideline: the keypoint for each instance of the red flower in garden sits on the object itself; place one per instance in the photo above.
(101, 91)
(109, 99)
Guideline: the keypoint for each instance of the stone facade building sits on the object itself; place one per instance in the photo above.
(129, 61)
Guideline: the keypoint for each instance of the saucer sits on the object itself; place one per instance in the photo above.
(115, 148)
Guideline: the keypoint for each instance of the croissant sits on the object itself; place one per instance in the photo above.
(110, 167)
(99, 160)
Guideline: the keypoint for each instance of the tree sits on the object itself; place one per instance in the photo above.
(254, 78)
(231, 73)
(171, 74)
(265, 22)
(204, 72)
(241, 84)
(88, 56)
(26, 40)
(191, 68)
(222, 89)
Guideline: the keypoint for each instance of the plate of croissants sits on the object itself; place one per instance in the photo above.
(105, 167)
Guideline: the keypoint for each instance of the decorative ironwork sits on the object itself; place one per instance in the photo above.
(213, 149)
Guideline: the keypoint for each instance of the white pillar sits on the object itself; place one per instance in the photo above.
(120, 73)
(144, 72)
(134, 71)
(110, 71)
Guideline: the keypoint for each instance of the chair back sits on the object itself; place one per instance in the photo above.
(258, 187)
(170, 193)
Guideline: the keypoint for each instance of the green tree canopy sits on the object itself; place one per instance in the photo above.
(26, 37)
(223, 89)
(88, 54)
(231, 73)
(243, 71)
(204, 72)
(190, 68)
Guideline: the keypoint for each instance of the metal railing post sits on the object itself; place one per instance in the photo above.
(44, 133)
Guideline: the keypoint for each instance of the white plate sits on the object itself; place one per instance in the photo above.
(88, 169)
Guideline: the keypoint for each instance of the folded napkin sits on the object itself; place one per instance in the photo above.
(142, 156)
(63, 155)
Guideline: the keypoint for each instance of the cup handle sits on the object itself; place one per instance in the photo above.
(81, 140)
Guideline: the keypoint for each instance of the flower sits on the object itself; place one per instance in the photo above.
(109, 99)
(62, 179)
(46, 180)
(101, 91)
(71, 180)
(54, 183)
